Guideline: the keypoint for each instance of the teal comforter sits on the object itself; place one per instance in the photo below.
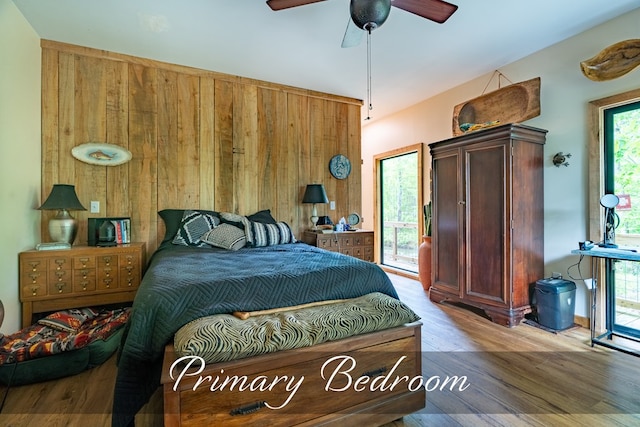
(185, 283)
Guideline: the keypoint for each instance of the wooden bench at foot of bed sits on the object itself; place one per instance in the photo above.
(369, 377)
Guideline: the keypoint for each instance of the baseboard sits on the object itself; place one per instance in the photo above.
(399, 272)
(582, 321)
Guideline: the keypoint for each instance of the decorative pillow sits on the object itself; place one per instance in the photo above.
(263, 216)
(238, 221)
(271, 234)
(233, 219)
(68, 320)
(172, 219)
(225, 236)
(194, 224)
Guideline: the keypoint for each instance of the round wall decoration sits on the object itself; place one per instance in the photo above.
(100, 153)
(340, 166)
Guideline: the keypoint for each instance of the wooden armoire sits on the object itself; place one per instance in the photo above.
(487, 194)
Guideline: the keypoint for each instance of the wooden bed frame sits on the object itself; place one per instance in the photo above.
(379, 358)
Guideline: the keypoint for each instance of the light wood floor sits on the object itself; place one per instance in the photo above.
(522, 376)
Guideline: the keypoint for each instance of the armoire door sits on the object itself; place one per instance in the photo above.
(448, 268)
(487, 223)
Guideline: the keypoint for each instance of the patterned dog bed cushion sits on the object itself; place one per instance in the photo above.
(60, 365)
(224, 337)
(40, 352)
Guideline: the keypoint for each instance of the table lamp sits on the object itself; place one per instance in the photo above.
(63, 227)
(315, 194)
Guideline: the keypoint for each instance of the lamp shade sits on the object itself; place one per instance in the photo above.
(315, 194)
(63, 196)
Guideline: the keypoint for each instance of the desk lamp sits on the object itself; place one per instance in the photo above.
(611, 220)
(315, 194)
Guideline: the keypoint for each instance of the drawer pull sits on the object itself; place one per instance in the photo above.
(34, 277)
(85, 273)
(375, 372)
(107, 259)
(60, 287)
(84, 261)
(60, 275)
(34, 290)
(34, 265)
(249, 409)
(129, 259)
(59, 263)
(84, 284)
(107, 281)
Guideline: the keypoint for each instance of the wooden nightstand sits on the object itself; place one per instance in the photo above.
(357, 244)
(79, 277)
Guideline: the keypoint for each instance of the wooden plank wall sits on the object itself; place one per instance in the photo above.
(199, 139)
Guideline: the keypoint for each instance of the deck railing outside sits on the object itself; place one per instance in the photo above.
(400, 245)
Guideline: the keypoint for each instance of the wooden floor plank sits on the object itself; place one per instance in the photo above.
(522, 376)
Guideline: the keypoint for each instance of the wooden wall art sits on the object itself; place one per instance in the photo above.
(613, 61)
(514, 103)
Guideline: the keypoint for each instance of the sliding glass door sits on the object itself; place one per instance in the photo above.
(399, 207)
(622, 178)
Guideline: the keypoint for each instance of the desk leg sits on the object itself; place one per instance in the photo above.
(27, 313)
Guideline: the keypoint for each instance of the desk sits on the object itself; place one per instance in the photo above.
(608, 255)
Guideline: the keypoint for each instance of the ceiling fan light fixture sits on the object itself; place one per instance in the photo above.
(369, 14)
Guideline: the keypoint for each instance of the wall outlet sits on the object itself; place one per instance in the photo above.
(95, 206)
(332, 205)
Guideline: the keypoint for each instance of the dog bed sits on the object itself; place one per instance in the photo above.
(64, 343)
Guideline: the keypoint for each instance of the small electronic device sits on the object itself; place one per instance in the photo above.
(586, 245)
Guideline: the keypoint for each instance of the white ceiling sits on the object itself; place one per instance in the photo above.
(413, 58)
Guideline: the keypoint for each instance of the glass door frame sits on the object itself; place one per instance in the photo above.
(377, 196)
(610, 187)
(596, 185)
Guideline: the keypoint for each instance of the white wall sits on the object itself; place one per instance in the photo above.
(19, 152)
(565, 94)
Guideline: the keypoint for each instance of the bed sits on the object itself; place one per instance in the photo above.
(189, 279)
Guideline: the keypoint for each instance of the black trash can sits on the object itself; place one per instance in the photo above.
(555, 303)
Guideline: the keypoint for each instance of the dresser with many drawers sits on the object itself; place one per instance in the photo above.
(82, 276)
(357, 244)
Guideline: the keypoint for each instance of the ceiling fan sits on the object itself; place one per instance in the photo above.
(368, 15)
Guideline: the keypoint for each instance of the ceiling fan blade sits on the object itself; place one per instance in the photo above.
(352, 35)
(286, 4)
(435, 10)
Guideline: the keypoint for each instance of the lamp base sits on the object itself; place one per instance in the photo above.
(63, 227)
(607, 245)
(314, 217)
